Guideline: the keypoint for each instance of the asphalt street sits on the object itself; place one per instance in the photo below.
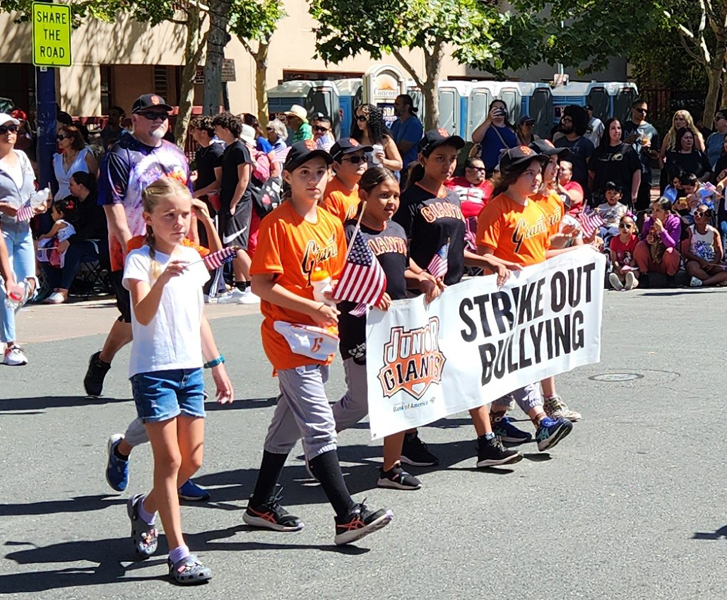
(630, 506)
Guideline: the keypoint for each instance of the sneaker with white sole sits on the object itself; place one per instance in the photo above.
(249, 298)
(397, 478)
(631, 281)
(555, 408)
(695, 282)
(14, 356)
(231, 297)
(615, 282)
(359, 522)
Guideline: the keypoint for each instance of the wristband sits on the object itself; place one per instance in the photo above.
(213, 363)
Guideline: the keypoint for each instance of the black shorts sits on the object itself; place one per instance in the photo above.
(235, 229)
(123, 297)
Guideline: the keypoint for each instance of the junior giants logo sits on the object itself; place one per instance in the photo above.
(413, 361)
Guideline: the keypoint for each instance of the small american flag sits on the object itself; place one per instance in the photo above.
(363, 280)
(217, 259)
(590, 222)
(26, 212)
(438, 266)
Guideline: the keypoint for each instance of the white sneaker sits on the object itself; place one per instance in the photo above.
(630, 281)
(232, 297)
(249, 298)
(615, 282)
(14, 357)
(695, 282)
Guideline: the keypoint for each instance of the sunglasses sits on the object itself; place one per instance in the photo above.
(625, 225)
(62, 136)
(8, 128)
(703, 213)
(478, 169)
(354, 160)
(643, 111)
(360, 118)
(153, 116)
(321, 129)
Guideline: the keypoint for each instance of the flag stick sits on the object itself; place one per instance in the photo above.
(355, 231)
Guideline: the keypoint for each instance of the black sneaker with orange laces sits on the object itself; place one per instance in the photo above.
(271, 515)
(359, 522)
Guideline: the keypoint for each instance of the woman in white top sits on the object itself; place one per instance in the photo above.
(17, 183)
(74, 156)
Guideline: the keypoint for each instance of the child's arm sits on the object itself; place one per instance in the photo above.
(614, 262)
(687, 253)
(145, 299)
(416, 278)
(203, 216)
(718, 247)
(491, 264)
(264, 286)
(225, 393)
(57, 226)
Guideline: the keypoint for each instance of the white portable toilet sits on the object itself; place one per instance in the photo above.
(381, 85)
(453, 102)
(482, 93)
(283, 96)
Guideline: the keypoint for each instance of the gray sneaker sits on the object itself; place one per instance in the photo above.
(555, 408)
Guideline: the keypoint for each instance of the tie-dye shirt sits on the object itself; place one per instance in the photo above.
(126, 170)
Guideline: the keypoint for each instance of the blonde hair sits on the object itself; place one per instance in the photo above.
(164, 187)
(671, 136)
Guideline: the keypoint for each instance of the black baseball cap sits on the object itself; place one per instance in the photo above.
(546, 147)
(438, 137)
(148, 101)
(520, 154)
(302, 152)
(347, 146)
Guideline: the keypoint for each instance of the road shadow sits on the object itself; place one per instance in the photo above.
(113, 561)
(239, 404)
(33, 406)
(69, 505)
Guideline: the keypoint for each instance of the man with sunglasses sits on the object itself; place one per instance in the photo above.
(349, 164)
(130, 165)
(644, 138)
(322, 134)
(473, 188)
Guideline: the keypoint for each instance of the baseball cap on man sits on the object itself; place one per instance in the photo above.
(547, 148)
(5, 118)
(518, 155)
(438, 137)
(147, 101)
(302, 152)
(347, 146)
(297, 111)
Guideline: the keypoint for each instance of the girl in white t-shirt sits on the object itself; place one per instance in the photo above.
(170, 336)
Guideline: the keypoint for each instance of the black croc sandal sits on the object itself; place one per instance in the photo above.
(144, 536)
(189, 571)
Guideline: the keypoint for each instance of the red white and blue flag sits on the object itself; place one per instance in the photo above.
(590, 221)
(438, 266)
(363, 279)
(26, 212)
(215, 260)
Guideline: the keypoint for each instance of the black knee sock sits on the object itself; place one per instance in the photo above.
(326, 468)
(270, 468)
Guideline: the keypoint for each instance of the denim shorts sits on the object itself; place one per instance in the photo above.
(164, 395)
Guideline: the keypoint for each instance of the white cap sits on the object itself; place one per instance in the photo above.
(6, 118)
(308, 340)
(248, 134)
(298, 111)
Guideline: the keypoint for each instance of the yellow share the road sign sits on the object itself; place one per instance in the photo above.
(51, 35)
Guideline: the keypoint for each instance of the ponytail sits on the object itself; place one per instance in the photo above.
(151, 242)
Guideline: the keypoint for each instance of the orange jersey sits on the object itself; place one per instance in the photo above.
(291, 248)
(340, 201)
(514, 232)
(554, 209)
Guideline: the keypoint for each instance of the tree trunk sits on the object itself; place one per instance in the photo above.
(217, 39)
(261, 84)
(432, 66)
(714, 76)
(192, 52)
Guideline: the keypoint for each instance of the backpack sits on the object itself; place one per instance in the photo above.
(261, 165)
(266, 197)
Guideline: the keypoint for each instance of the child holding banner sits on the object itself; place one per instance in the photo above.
(513, 227)
(299, 335)
(379, 192)
(431, 215)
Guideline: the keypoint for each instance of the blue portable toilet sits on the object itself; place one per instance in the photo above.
(621, 97)
(453, 103)
(323, 98)
(537, 102)
(482, 93)
(350, 95)
(283, 96)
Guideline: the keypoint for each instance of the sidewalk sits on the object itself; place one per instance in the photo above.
(47, 322)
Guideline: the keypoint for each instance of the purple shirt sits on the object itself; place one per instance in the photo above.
(672, 230)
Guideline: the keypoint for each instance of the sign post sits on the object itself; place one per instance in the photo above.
(51, 48)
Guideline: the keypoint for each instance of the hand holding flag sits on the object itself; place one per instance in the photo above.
(590, 222)
(439, 266)
(363, 279)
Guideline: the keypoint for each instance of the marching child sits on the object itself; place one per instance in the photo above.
(514, 228)
(341, 197)
(170, 337)
(379, 190)
(299, 335)
(432, 218)
(625, 275)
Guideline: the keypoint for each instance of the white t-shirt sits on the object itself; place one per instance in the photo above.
(172, 339)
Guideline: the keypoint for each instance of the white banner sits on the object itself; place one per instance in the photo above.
(478, 342)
